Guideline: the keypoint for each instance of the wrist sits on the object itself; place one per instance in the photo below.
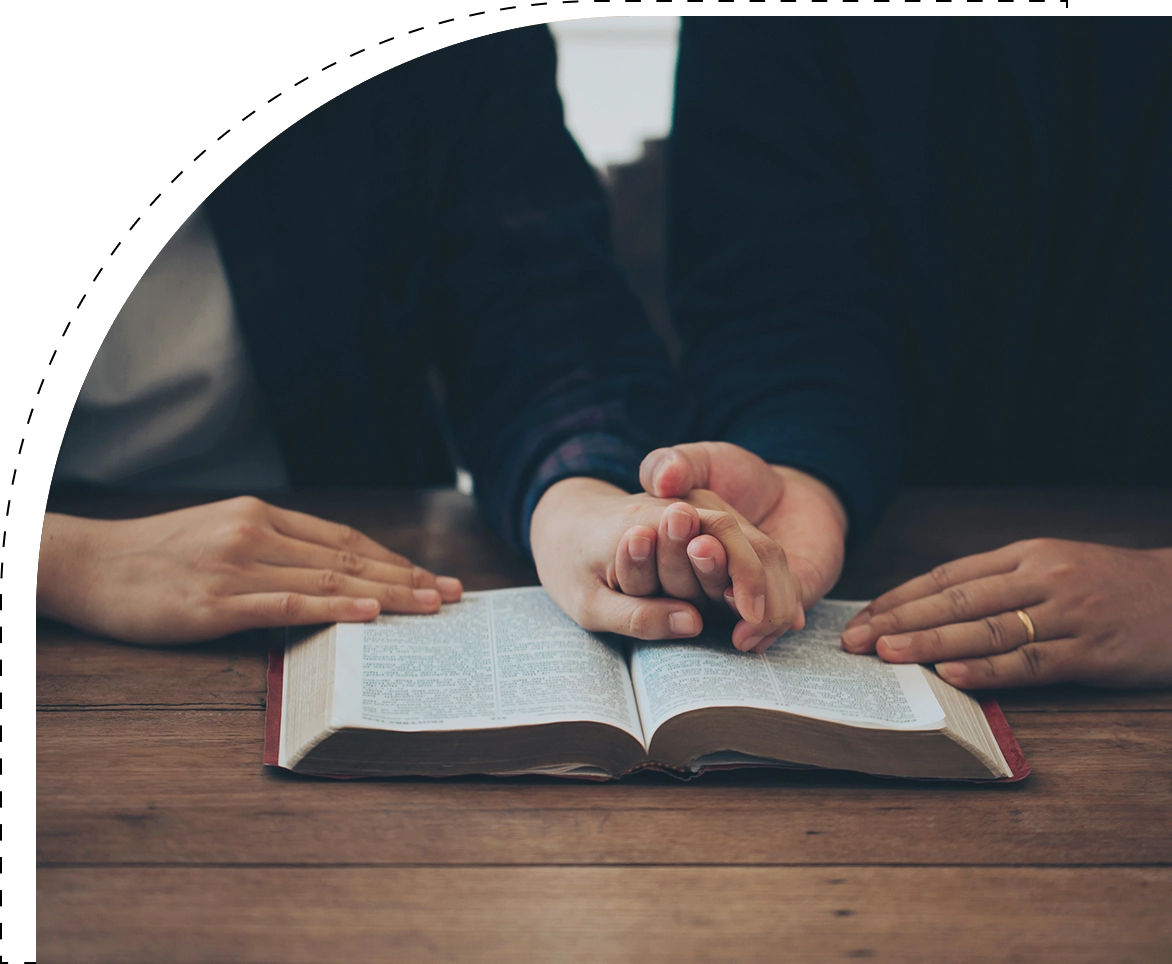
(563, 526)
(817, 489)
(65, 567)
(567, 495)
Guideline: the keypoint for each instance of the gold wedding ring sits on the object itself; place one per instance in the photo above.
(1027, 622)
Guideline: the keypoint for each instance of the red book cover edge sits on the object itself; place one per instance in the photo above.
(275, 683)
(1018, 764)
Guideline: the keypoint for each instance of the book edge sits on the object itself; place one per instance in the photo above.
(1002, 732)
(274, 691)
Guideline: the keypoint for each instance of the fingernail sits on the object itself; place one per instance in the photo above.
(749, 643)
(896, 644)
(758, 609)
(854, 638)
(429, 597)
(639, 547)
(448, 586)
(682, 623)
(729, 593)
(703, 563)
(679, 525)
(370, 606)
(953, 672)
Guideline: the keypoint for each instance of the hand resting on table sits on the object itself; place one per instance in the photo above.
(1100, 615)
(221, 568)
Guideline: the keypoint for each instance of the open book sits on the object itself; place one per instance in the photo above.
(504, 683)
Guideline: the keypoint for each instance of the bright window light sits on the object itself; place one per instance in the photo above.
(616, 75)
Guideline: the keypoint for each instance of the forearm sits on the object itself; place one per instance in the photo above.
(779, 277)
(547, 347)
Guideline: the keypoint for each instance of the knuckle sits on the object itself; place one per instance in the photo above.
(988, 671)
(721, 521)
(640, 622)
(1094, 608)
(1061, 571)
(1038, 547)
(329, 582)
(929, 641)
(942, 577)
(421, 578)
(248, 505)
(244, 534)
(289, 605)
(958, 600)
(768, 551)
(349, 562)
(348, 535)
(1033, 661)
(999, 640)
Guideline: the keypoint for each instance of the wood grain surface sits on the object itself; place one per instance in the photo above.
(162, 838)
(606, 914)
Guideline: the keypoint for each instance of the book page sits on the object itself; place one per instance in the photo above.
(507, 657)
(806, 673)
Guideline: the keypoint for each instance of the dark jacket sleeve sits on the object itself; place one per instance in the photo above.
(550, 365)
(786, 308)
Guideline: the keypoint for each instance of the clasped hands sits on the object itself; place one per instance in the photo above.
(706, 538)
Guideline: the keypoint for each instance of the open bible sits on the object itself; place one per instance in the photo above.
(504, 683)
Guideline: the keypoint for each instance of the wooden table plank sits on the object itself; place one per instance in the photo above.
(676, 914)
(76, 671)
(187, 786)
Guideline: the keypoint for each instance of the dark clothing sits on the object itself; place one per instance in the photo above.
(936, 250)
(440, 214)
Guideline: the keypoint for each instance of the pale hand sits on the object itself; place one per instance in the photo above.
(1101, 616)
(800, 514)
(581, 532)
(221, 568)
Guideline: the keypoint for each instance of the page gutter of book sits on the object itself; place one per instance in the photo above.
(494, 659)
(806, 673)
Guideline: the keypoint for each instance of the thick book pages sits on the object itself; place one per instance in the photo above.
(504, 683)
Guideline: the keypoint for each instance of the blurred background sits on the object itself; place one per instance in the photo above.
(616, 75)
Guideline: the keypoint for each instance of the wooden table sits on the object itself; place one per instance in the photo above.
(162, 838)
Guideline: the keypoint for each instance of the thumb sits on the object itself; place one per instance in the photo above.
(643, 617)
(671, 473)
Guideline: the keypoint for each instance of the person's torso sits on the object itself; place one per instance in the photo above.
(1024, 173)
